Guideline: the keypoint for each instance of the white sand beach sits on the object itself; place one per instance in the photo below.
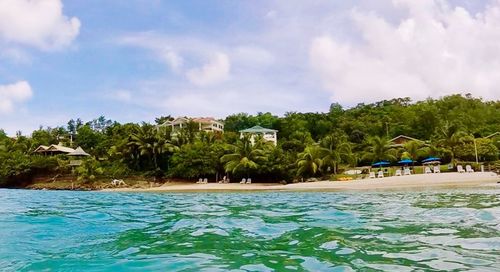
(420, 181)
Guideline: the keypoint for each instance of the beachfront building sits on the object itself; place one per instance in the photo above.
(267, 134)
(208, 124)
(401, 140)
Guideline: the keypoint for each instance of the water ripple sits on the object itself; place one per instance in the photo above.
(456, 230)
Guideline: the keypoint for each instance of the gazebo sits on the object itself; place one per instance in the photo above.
(79, 153)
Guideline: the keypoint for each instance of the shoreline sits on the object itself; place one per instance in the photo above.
(419, 181)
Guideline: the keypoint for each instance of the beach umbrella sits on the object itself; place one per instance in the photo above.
(406, 161)
(381, 164)
(432, 160)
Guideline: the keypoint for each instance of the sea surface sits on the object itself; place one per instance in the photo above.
(446, 230)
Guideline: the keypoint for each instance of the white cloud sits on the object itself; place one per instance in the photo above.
(13, 94)
(434, 50)
(216, 70)
(37, 23)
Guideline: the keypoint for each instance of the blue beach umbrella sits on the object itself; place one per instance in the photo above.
(381, 164)
(405, 161)
(431, 160)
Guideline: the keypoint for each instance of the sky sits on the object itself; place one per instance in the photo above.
(136, 60)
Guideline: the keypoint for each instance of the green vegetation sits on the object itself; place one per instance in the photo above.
(309, 145)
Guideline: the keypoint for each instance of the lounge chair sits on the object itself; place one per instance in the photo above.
(460, 169)
(200, 180)
(372, 175)
(437, 169)
(398, 172)
(243, 181)
(205, 181)
(380, 174)
(249, 181)
(469, 169)
(407, 172)
(427, 170)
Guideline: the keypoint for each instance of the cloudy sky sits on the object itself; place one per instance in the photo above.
(137, 59)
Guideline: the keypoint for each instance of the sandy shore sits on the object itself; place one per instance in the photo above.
(421, 181)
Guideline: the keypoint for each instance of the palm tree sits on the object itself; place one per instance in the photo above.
(413, 150)
(379, 149)
(245, 156)
(152, 142)
(450, 137)
(310, 160)
(336, 150)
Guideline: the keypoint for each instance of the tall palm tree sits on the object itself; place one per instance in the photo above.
(379, 149)
(152, 142)
(450, 137)
(245, 156)
(336, 149)
(310, 160)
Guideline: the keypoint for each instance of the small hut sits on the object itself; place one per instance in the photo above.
(78, 154)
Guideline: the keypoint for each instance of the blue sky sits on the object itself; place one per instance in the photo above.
(139, 59)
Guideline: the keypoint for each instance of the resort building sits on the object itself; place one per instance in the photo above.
(53, 149)
(401, 140)
(267, 134)
(204, 124)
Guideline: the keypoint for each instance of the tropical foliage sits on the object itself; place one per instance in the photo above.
(310, 144)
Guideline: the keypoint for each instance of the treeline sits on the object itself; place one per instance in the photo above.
(309, 144)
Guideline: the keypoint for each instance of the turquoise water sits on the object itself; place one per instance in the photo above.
(456, 230)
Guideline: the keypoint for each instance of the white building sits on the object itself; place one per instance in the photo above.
(204, 124)
(267, 134)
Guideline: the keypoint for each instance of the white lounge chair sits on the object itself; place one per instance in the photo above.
(243, 181)
(469, 169)
(372, 175)
(407, 172)
(200, 180)
(460, 169)
(380, 174)
(437, 169)
(249, 181)
(427, 170)
(398, 172)
(205, 181)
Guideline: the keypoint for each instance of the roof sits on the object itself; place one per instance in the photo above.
(54, 148)
(78, 152)
(41, 148)
(405, 137)
(257, 129)
(183, 120)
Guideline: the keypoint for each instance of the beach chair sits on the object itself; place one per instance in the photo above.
(243, 181)
(407, 172)
(427, 170)
(372, 175)
(249, 181)
(380, 174)
(437, 169)
(205, 181)
(469, 169)
(398, 172)
(200, 180)
(460, 169)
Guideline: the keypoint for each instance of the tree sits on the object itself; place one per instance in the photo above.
(379, 149)
(152, 142)
(450, 138)
(310, 161)
(245, 156)
(336, 150)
